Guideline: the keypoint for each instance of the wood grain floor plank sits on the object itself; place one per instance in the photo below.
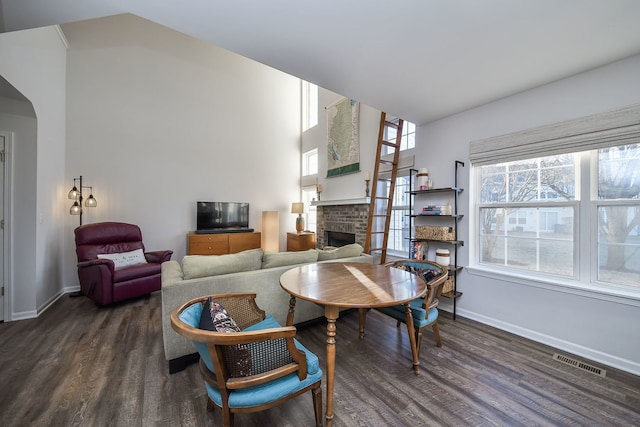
(84, 365)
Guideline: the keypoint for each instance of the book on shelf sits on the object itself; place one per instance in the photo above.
(419, 250)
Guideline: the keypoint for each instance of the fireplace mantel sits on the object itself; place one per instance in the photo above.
(342, 202)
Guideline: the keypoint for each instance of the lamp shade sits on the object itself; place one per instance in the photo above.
(297, 208)
(91, 202)
(76, 209)
(74, 193)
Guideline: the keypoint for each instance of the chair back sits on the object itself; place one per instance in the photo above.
(106, 238)
(272, 355)
(433, 274)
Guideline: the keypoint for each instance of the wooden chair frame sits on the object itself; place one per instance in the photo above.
(245, 312)
(430, 300)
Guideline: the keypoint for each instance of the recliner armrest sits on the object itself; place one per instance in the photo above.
(158, 256)
(97, 261)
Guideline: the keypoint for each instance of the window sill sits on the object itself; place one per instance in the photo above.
(617, 294)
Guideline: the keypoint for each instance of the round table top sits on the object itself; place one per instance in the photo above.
(356, 285)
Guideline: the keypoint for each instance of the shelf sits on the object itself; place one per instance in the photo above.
(451, 294)
(451, 242)
(432, 215)
(436, 190)
(430, 211)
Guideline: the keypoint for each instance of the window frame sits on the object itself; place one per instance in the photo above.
(586, 134)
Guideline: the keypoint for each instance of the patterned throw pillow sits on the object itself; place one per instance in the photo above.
(216, 318)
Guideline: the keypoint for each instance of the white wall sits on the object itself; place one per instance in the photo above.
(33, 61)
(158, 120)
(584, 323)
(350, 186)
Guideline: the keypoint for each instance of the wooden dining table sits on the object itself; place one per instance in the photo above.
(350, 285)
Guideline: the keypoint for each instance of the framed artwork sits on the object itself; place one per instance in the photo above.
(343, 132)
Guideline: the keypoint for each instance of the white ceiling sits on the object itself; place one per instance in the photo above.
(418, 59)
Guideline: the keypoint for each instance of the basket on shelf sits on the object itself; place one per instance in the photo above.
(448, 285)
(435, 233)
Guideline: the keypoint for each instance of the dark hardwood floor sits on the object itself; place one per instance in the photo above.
(82, 365)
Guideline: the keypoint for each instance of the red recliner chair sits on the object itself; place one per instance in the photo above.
(130, 276)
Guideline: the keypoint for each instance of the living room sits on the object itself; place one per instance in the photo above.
(155, 120)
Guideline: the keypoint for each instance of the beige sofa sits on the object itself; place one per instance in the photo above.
(248, 271)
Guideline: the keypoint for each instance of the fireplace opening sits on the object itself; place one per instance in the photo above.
(337, 238)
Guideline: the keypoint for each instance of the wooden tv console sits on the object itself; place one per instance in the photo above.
(223, 243)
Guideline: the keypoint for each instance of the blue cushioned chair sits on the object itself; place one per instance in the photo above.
(424, 310)
(255, 369)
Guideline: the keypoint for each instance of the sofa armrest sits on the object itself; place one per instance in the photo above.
(171, 273)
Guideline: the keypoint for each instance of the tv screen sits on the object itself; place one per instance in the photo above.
(222, 215)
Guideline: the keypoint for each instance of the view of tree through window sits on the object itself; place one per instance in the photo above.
(530, 212)
(619, 214)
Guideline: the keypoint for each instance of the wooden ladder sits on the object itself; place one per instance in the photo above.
(382, 189)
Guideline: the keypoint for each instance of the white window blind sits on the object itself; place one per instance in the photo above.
(617, 127)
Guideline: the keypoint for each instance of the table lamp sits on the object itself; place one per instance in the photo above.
(298, 208)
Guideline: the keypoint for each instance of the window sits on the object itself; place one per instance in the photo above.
(408, 139)
(571, 214)
(310, 162)
(309, 105)
(515, 213)
(311, 213)
(399, 226)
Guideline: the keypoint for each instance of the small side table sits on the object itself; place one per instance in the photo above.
(301, 241)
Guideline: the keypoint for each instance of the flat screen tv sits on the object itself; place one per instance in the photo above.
(222, 216)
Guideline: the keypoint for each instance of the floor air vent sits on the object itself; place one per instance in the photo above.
(580, 365)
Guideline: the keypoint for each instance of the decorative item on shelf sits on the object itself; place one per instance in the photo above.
(422, 180)
(76, 194)
(367, 179)
(430, 232)
(443, 257)
(419, 250)
(298, 208)
(318, 190)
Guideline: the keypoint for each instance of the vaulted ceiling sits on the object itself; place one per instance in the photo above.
(418, 59)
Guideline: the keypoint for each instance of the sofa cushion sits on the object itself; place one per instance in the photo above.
(125, 259)
(279, 259)
(345, 251)
(194, 266)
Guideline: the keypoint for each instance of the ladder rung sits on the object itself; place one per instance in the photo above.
(377, 232)
(380, 216)
(378, 249)
(387, 162)
(391, 124)
(390, 144)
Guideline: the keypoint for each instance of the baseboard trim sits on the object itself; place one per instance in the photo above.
(597, 356)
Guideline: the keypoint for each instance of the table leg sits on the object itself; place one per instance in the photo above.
(331, 313)
(290, 314)
(412, 338)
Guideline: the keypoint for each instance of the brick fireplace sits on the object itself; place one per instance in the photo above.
(343, 221)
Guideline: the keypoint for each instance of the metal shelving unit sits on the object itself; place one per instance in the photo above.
(453, 218)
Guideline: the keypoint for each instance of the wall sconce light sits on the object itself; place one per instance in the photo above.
(298, 208)
(76, 194)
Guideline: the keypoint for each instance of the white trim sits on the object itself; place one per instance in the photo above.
(361, 201)
(7, 278)
(607, 359)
